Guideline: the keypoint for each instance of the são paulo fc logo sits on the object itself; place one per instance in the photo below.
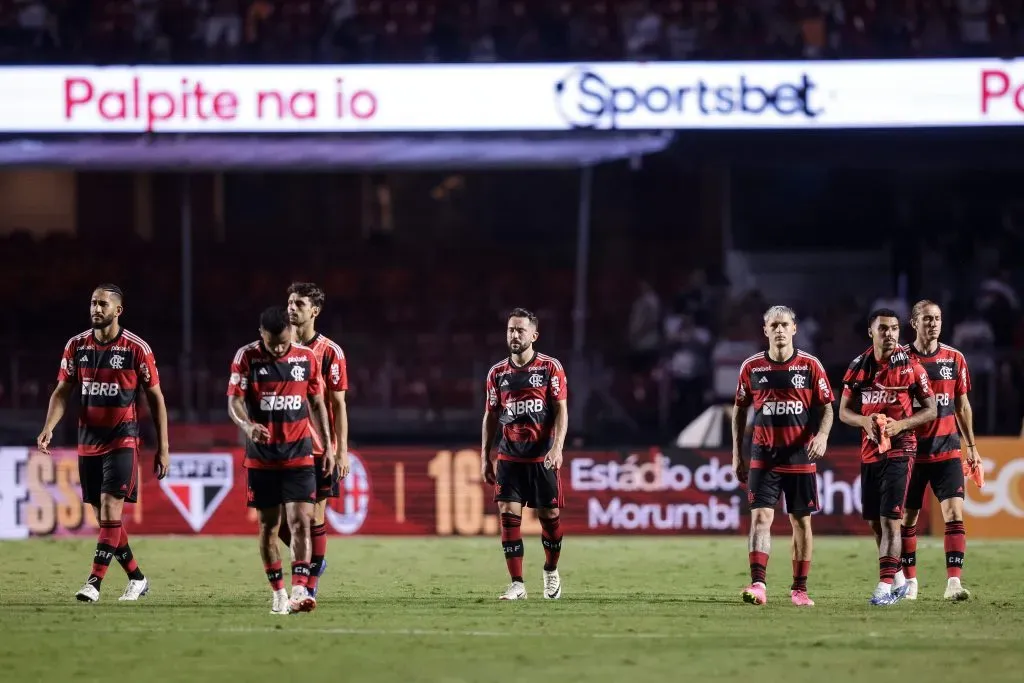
(348, 511)
(198, 484)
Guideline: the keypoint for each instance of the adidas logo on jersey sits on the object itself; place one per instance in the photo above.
(763, 380)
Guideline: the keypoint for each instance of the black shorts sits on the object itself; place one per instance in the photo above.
(883, 487)
(764, 487)
(946, 478)
(116, 473)
(327, 485)
(529, 483)
(271, 488)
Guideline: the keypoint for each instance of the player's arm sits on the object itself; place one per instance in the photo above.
(158, 409)
(318, 408)
(340, 407)
(740, 415)
(553, 460)
(239, 414)
(964, 413)
(489, 430)
(825, 414)
(921, 390)
(54, 412)
(825, 417)
(850, 414)
(336, 385)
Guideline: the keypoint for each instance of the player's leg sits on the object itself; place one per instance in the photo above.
(801, 491)
(264, 495)
(122, 466)
(948, 484)
(298, 491)
(763, 490)
(548, 500)
(894, 479)
(919, 479)
(105, 480)
(508, 494)
(327, 486)
(284, 533)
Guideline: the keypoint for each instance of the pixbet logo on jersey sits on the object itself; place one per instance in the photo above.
(197, 485)
(347, 513)
(586, 98)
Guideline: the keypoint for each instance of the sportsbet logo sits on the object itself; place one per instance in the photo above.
(594, 98)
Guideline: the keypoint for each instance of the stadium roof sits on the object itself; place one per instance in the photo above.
(396, 152)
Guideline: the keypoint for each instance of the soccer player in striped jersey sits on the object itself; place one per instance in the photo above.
(526, 416)
(305, 302)
(880, 389)
(275, 396)
(111, 364)
(938, 462)
(791, 396)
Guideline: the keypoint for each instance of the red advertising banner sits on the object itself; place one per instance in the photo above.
(423, 491)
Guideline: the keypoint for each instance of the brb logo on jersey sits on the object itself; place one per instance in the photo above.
(274, 402)
(530, 405)
(878, 397)
(110, 389)
(198, 484)
(783, 408)
(349, 510)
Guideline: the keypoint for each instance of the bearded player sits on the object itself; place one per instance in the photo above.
(938, 462)
(111, 364)
(526, 416)
(305, 302)
(879, 391)
(786, 387)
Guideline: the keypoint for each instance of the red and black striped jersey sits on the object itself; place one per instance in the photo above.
(950, 378)
(890, 388)
(334, 372)
(525, 399)
(782, 393)
(276, 391)
(110, 375)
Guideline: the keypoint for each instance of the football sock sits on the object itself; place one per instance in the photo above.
(300, 573)
(106, 544)
(908, 534)
(955, 543)
(801, 568)
(758, 567)
(319, 532)
(887, 568)
(274, 575)
(124, 556)
(551, 539)
(512, 544)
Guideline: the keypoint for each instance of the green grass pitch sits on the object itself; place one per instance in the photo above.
(399, 609)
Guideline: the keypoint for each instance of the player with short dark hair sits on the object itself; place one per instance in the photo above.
(111, 364)
(938, 462)
(785, 386)
(305, 302)
(879, 390)
(526, 417)
(275, 395)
